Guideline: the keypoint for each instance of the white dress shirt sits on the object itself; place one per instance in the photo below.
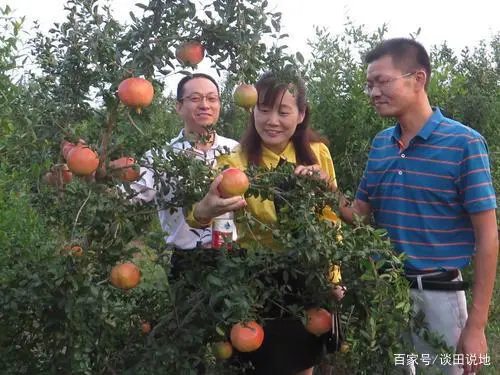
(179, 233)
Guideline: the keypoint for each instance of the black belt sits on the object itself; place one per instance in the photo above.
(436, 280)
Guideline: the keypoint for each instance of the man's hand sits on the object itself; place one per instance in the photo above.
(472, 344)
(315, 171)
(358, 208)
(213, 205)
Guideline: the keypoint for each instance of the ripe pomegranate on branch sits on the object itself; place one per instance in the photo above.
(136, 93)
(126, 169)
(190, 53)
(245, 96)
(80, 158)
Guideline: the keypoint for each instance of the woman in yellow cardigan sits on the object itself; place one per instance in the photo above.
(278, 130)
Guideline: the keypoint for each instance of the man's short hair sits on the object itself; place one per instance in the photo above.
(187, 78)
(407, 54)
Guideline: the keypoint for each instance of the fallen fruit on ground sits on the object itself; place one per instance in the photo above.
(245, 96)
(190, 53)
(125, 276)
(234, 182)
(247, 337)
(319, 321)
(223, 350)
(82, 161)
(136, 92)
(124, 169)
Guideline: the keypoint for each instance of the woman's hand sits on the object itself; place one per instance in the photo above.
(213, 205)
(315, 171)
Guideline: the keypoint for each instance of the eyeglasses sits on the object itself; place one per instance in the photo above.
(368, 88)
(197, 98)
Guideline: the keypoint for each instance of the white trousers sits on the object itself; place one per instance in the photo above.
(445, 314)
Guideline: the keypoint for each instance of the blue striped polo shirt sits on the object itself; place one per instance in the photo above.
(423, 194)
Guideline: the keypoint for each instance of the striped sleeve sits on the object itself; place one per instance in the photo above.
(362, 193)
(475, 181)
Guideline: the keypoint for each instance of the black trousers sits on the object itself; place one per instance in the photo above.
(288, 347)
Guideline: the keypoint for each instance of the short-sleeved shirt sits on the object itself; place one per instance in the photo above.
(424, 193)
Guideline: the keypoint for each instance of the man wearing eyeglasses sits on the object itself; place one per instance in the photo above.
(428, 183)
(198, 104)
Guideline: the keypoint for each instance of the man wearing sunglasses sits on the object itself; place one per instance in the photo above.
(428, 183)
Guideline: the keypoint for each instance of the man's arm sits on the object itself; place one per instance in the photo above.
(485, 266)
(358, 208)
(473, 339)
(361, 206)
(479, 199)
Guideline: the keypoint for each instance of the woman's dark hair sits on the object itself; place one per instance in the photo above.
(270, 88)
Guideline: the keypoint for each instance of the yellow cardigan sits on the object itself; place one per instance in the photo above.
(264, 210)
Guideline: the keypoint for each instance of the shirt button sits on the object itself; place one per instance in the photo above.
(403, 155)
(400, 173)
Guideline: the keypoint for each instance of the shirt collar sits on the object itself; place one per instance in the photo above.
(271, 159)
(180, 142)
(424, 133)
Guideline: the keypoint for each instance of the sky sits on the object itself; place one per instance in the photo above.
(459, 23)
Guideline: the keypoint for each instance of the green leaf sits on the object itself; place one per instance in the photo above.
(142, 6)
(300, 58)
(220, 331)
(365, 334)
(214, 280)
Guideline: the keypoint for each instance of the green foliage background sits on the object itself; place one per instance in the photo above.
(59, 315)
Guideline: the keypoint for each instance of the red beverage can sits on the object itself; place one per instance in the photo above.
(222, 231)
